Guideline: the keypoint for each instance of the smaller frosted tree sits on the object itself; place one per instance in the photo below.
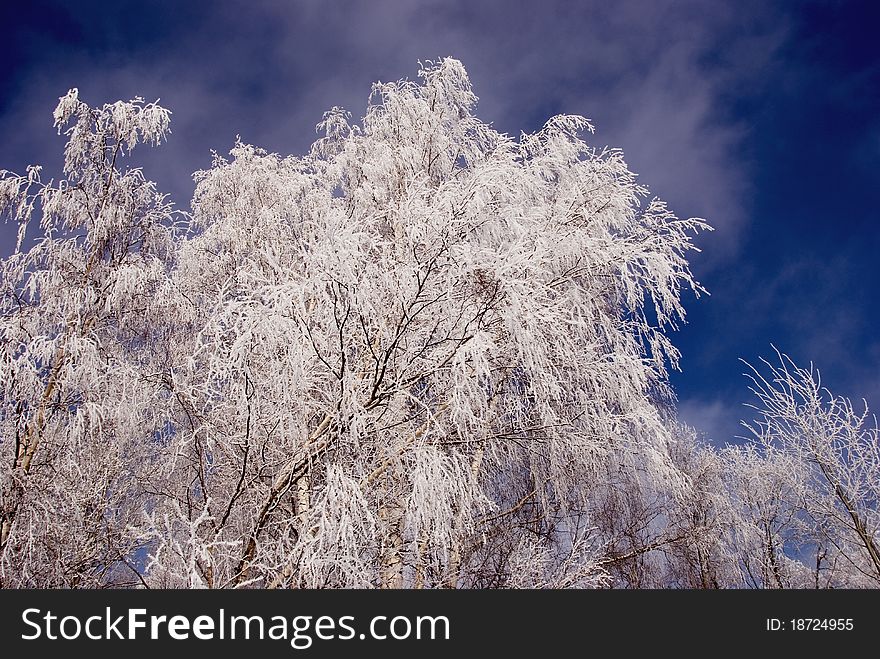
(795, 507)
(75, 342)
(765, 536)
(835, 477)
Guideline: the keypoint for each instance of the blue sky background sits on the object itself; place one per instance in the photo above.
(762, 117)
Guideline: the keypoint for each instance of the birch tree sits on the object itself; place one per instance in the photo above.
(75, 329)
(796, 506)
(402, 355)
(833, 450)
(412, 357)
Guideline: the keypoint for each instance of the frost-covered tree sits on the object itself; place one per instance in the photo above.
(424, 354)
(76, 413)
(831, 475)
(795, 507)
(400, 358)
(763, 531)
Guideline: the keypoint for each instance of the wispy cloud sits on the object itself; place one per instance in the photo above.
(719, 421)
(643, 71)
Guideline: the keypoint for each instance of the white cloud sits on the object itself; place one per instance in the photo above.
(718, 420)
(653, 76)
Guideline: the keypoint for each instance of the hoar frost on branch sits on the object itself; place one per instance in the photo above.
(77, 332)
(448, 322)
(832, 479)
(424, 355)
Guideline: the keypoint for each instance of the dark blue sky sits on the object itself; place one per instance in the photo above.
(762, 117)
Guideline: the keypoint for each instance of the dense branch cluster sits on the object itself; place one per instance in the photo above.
(423, 355)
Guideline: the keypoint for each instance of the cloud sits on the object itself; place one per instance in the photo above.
(718, 420)
(267, 70)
